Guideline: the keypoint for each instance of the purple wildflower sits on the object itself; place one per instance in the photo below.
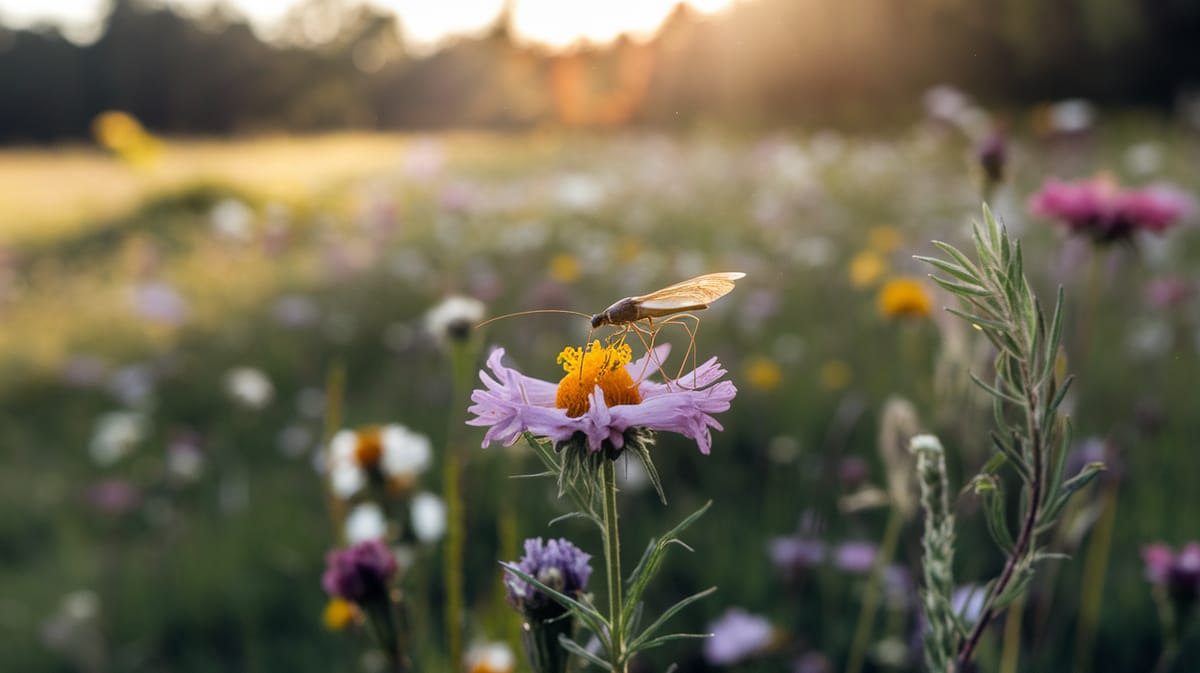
(992, 154)
(737, 636)
(855, 557)
(1179, 572)
(967, 602)
(1103, 211)
(795, 552)
(359, 573)
(608, 397)
(559, 565)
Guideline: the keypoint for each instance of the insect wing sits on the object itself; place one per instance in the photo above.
(689, 294)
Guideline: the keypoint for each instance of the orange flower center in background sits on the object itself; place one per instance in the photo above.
(601, 366)
(369, 449)
(904, 298)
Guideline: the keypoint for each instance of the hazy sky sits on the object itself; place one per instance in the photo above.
(556, 22)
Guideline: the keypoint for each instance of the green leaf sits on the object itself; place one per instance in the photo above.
(994, 392)
(957, 256)
(978, 320)
(637, 643)
(951, 268)
(652, 559)
(581, 652)
(663, 640)
(960, 289)
(996, 518)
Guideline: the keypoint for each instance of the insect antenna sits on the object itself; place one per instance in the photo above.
(530, 312)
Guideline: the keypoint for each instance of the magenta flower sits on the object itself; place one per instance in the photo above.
(1100, 209)
(737, 636)
(602, 396)
(360, 573)
(1179, 572)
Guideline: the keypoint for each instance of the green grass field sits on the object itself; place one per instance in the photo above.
(139, 289)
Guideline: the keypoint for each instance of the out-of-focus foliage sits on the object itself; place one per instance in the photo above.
(762, 61)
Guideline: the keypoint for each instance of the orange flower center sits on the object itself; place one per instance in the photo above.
(369, 448)
(600, 366)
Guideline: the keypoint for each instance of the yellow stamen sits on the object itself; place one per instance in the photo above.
(601, 366)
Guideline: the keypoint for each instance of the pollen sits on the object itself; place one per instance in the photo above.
(602, 366)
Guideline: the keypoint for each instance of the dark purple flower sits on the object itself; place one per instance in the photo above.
(737, 636)
(992, 154)
(559, 565)
(622, 398)
(1179, 572)
(855, 557)
(853, 470)
(359, 573)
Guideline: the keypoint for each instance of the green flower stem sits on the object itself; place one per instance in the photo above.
(384, 625)
(872, 593)
(461, 361)
(453, 562)
(1010, 655)
(1094, 568)
(612, 562)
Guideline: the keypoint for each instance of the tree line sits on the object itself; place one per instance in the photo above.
(762, 62)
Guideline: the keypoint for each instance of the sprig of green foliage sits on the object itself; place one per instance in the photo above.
(1031, 435)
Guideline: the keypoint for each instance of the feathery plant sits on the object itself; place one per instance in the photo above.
(1031, 437)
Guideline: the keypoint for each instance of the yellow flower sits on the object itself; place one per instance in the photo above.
(835, 375)
(565, 268)
(122, 134)
(601, 366)
(904, 297)
(866, 267)
(884, 239)
(764, 374)
(338, 614)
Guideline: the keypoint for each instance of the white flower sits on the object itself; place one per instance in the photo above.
(428, 517)
(494, 657)
(365, 522)
(115, 435)
(232, 219)
(249, 387)
(453, 318)
(399, 453)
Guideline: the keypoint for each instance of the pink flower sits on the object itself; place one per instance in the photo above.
(608, 397)
(1103, 211)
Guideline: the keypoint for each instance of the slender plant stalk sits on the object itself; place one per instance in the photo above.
(1037, 449)
(1010, 656)
(1092, 583)
(461, 360)
(1001, 304)
(872, 592)
(612, 562)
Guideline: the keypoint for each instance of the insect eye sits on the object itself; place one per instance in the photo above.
(597, 320)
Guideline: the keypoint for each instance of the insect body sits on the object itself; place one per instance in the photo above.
(690, 295)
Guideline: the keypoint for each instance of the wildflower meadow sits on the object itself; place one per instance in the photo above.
(881, 390)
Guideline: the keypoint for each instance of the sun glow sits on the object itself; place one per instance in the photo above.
(557, 23)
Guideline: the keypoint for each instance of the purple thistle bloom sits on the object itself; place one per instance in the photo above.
(511, 403)
(1103, 211)
(559, 565)
(359, 573)
(737, 636)
(1179, 572)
